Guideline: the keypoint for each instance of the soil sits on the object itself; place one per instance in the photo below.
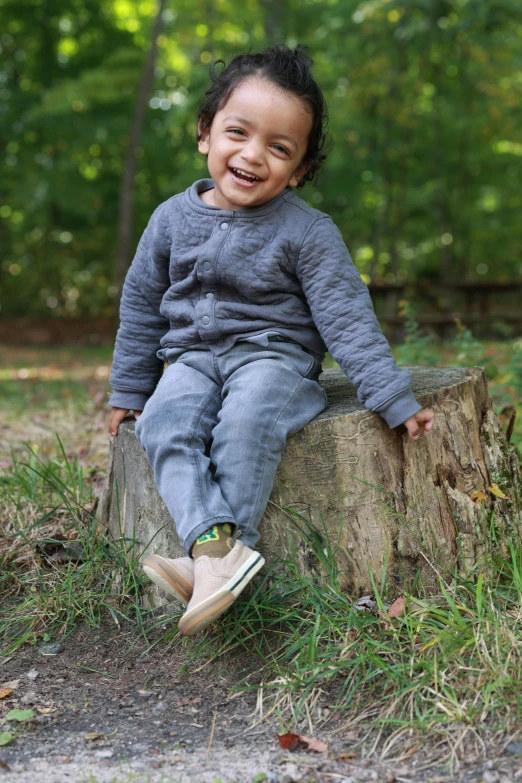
(106, 712)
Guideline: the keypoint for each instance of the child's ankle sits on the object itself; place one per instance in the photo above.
(215, 542)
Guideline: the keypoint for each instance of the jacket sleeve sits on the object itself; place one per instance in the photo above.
(343, 312)
(136, 369)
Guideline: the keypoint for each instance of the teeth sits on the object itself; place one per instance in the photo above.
(246, 174)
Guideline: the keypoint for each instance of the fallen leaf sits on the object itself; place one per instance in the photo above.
(5, 692)
(478, 496)
(5, 737)
(20, 715)
(93, 735)
(45, 710)
(495, 490)
(4, 766)
(288, 740)
(11, 684)
(365, 602)
(397, 608)
(347, 755)
(318, 746)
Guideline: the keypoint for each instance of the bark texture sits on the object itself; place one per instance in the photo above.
(377, 503)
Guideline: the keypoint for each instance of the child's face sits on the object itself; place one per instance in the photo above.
(255, 145)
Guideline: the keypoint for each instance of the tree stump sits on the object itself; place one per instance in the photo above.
(384, 504)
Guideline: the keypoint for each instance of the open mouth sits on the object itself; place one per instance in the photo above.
(244, 175)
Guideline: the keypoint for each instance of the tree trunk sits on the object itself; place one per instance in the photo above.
(386, 506)
(123, 250)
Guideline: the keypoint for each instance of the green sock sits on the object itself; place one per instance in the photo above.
(215, 542)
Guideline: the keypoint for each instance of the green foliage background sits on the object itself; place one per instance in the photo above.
(425, 95)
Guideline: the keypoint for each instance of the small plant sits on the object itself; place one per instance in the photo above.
(418, 346)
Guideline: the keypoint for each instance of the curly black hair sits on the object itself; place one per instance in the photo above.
(286, 68)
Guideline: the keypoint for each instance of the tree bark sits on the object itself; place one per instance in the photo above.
(384, 506)
(123, 249)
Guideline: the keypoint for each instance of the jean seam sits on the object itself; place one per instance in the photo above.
(197, 454)
(217, 370)
(266, 449)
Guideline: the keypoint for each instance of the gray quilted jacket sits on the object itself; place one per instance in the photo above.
(203, 276)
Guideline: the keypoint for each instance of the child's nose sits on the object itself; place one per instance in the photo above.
(252, 152)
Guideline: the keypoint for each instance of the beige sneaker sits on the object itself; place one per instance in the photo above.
(174, 576)
(217, 584)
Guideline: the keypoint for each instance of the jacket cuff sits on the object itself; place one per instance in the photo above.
(132, 401)
(400, 408)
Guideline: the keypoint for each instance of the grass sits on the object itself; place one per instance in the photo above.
(48, 511)
(449, 661)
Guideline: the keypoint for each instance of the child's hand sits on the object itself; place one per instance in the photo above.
(421, 422)
(116, 418)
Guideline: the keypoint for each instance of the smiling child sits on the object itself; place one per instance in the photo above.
(240, 287)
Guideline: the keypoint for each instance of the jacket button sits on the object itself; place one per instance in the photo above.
(205, 320)
(224, 226)
(207, 266)
(210, 296)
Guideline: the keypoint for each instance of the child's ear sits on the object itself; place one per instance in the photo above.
(203, 137)
(299, 173)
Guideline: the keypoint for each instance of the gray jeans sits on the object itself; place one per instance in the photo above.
(244, 403)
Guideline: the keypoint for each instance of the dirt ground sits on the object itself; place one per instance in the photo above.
(109, 714)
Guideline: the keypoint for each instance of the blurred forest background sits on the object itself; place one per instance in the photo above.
(424, 174)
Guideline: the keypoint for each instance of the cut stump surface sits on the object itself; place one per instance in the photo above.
(378, 502)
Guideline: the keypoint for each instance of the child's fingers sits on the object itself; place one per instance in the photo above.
(421, 422)
(413, 428)
(115, 419)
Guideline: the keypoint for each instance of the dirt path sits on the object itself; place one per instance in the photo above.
(148, 719)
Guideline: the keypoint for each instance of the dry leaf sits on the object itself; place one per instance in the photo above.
(478, 496)
(365, 602)
(5, 692)
(318, 746)
(288, 740)
(45, 710)
(397, 608)
(11, 684)
(495, 490)
(93, 735)
(347, 755)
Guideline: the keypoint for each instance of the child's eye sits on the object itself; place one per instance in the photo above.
(279, 148)
(236, 130)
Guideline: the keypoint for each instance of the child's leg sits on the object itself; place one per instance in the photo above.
(174, 429)
(268, 394)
